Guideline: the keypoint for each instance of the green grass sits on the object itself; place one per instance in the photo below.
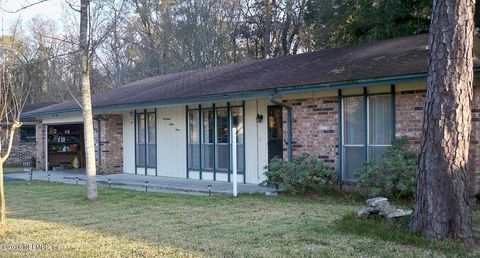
(16, 169)
(127, 223)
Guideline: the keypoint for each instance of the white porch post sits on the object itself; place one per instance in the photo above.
(234, 160)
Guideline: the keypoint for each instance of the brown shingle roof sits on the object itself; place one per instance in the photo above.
(30, 107)
(389, 58)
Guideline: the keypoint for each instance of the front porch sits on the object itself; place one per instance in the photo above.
(138, 182)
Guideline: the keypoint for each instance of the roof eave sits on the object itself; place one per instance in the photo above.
(249, 94)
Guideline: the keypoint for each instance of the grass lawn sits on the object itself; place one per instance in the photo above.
(8, 170)
(127, 223)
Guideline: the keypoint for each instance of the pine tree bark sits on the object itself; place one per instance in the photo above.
(91, 170)
(441, 204)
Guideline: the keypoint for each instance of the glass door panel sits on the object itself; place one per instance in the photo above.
(222, 157)
(354, 129)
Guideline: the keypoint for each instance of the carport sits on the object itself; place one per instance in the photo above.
(64, 146)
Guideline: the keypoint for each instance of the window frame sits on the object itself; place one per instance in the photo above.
(366, 146)
(215, 143)
(146, 127)
(24, 138)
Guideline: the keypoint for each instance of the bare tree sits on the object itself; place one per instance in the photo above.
(91, 169)
(13, 94)
(441, 204)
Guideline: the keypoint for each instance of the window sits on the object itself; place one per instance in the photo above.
(354, 135)
(194, 139)
(27, 133)
(237, 122)
(223, 142)
(367, 130)
(380, 125)
(146, 137)
(151, 140)
(208, 138)
(141, 158)
(209, 143)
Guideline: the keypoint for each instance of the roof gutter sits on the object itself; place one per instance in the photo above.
(156, 103)
(289, 125)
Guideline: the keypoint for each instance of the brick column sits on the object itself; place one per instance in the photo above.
(40, 145)
(409, 115)
(109, 154)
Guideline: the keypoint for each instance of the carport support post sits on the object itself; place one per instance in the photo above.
(234, 160)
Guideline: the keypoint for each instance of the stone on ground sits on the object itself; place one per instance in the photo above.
(380, 206)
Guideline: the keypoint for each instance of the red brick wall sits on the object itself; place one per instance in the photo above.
(40, 145)
(409, 114)
(315, 128)
(110, 131)
(21, 151)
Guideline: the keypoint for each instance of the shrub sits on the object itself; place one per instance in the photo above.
(394, 175)
(304, 175)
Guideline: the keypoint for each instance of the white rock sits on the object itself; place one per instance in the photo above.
(381, 207)
(398, 213)
(376, 201)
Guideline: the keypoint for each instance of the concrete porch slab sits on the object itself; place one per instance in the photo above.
(138, 182)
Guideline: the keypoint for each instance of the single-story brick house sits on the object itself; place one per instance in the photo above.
(342, 105)
(24, 147)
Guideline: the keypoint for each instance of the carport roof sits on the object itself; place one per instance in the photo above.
(30, 107)
(387, 61)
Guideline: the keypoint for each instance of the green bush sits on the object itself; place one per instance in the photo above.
(304, 175)
(394, 175)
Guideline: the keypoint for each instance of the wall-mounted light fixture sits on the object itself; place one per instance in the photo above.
(131, 116)
(259, 118)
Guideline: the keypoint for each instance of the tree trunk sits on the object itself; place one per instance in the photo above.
(441, 204)
(11, 134)
(91, 170)
(268, 28)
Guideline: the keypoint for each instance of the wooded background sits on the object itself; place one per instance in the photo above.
(135, 39)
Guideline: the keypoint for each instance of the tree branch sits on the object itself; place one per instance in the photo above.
(23, 7)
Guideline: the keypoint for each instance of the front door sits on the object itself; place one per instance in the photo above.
(275, 132)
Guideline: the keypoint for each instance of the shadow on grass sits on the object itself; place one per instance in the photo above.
(251, 225)
(378, 228)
